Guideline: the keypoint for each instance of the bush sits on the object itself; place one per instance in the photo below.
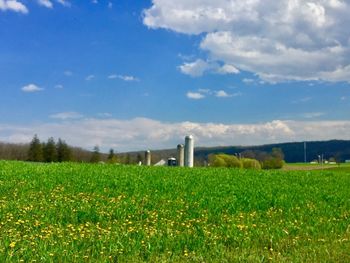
(272, 163)
(224, 160)
(250, 164)
(231, 161)
(216, 161)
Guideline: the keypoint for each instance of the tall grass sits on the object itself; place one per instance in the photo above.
(83, 212)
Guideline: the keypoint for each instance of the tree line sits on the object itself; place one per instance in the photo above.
(261, 160)
(60, 151)
(49, 151)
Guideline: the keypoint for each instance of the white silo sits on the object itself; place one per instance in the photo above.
(189, 151)
(180, 155)
(148, 158)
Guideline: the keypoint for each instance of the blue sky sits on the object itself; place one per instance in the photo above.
(142, 74)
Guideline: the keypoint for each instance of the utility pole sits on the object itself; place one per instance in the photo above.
(305, 152)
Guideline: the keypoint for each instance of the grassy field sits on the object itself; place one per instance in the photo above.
(308, 166)
(108, 213)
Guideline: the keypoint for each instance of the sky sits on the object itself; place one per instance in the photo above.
(135, 75)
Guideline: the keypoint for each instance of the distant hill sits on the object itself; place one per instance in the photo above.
(293, 151)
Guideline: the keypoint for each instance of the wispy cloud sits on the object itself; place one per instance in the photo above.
(90, 77)
(128, 78)
(13, 5)
(194, 69)
(45, 3)
(59, 86)
(202, 93)
(143, 133)
(123, 77)
(68, 73)
(312, 115)
(195, 95)
(66, 115)
(199, 67)
(227, 69)
(222, 94)
(113, 76)
(30, 88)
(248, 81)
(302, 100)
(64, 3)
(105, 115)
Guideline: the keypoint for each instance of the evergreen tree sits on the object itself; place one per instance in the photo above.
(95, 157)
(64, 153)
(50, 151)
(35, 152)
(127, 159)
(112, 158)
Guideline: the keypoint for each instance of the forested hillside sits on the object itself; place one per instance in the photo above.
(339, 150)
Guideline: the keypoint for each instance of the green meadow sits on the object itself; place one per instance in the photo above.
(107, 213)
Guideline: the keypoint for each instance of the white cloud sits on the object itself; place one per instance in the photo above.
(64, 3)
(143, 133)
(46, 3)
(13, 5)
(202, 93)
(248, 81)
(113, 76)
(90, 77)
(94, 1)
(195, 95)
(222, 94)
(66, 115)
(198, 67)
(312, 115)
(31, 88)
(127, 78)
(123, 77)
(59, 86)
(286, 40)
(227, 69)
(110, 4)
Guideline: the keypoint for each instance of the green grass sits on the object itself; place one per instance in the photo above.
(108, 213)
(308, 166)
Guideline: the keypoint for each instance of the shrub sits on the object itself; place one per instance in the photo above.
(217, 161)
(272, 163)
(231, 161)
(224, 160)
(250, 164)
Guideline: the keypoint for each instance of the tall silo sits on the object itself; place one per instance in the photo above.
(148, 158)
(180, 155)
(189, 151)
